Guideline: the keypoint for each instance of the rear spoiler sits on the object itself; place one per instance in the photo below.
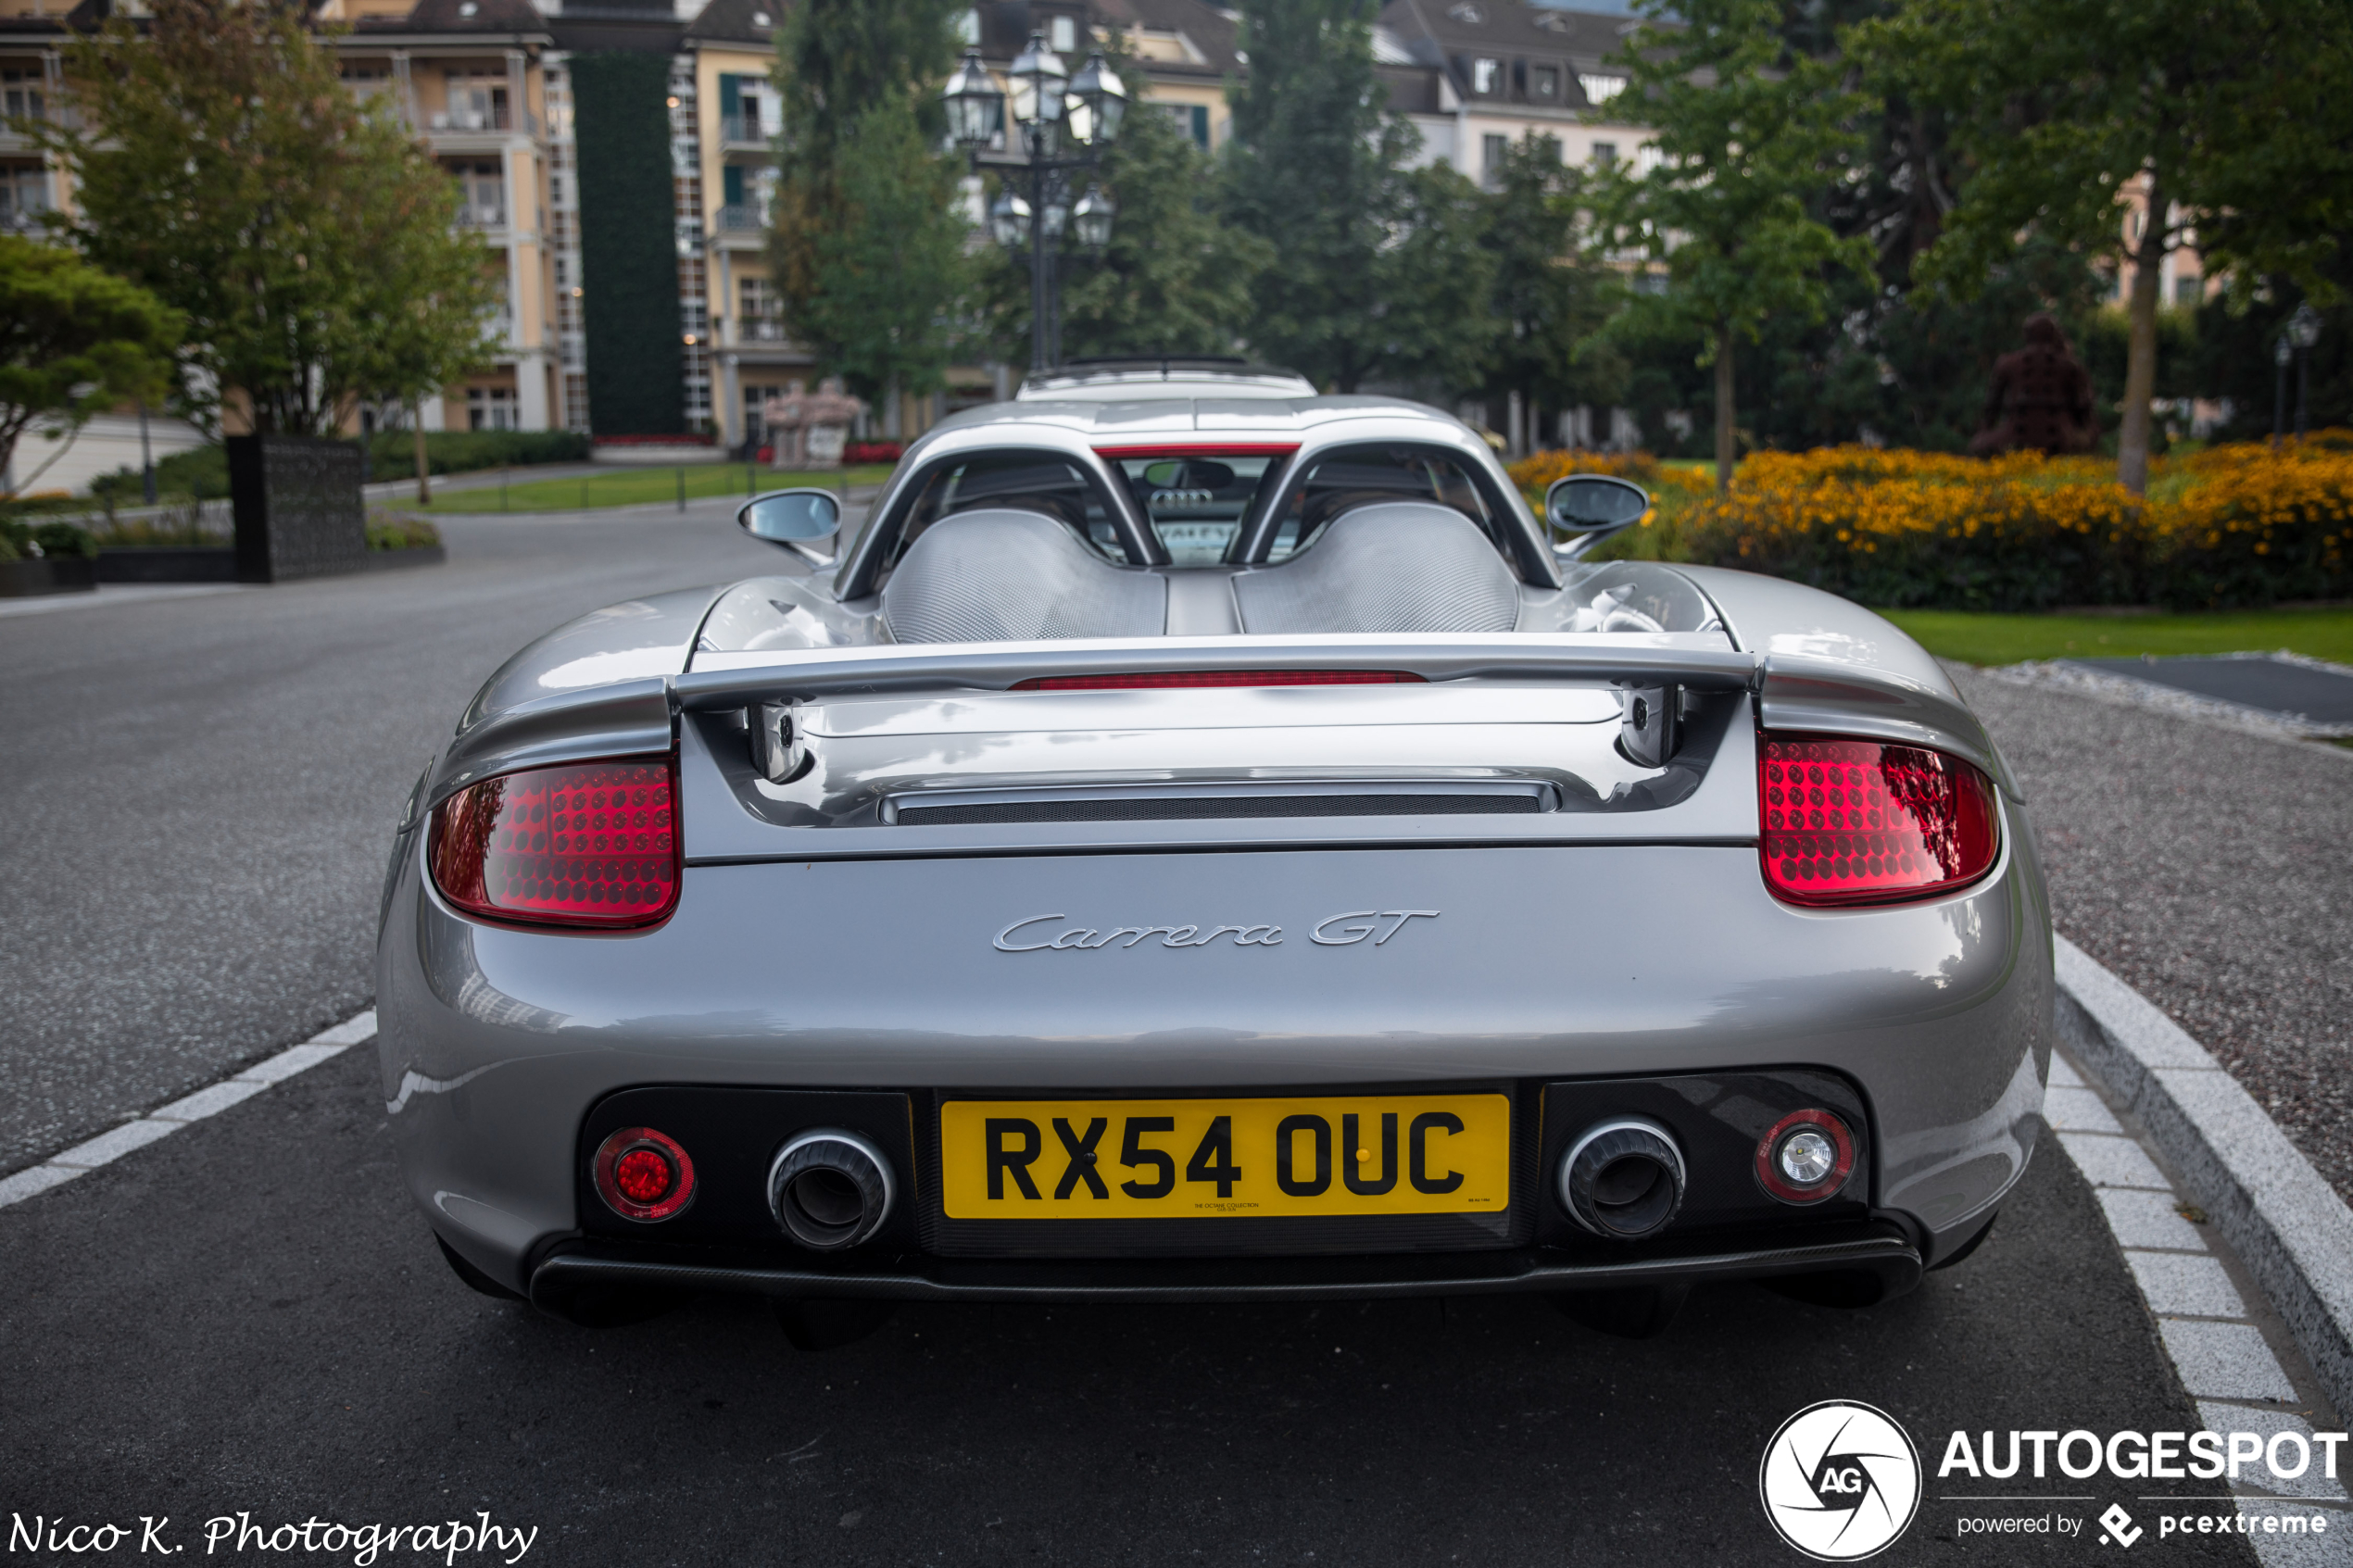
(1698, 659)
(1792, 693)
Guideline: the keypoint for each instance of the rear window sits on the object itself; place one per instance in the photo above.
(1194, 503)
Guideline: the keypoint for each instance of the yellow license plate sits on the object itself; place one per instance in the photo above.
(1179, 1159)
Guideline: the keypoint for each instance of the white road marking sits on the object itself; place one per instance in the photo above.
(116, 594)
(164, 1120)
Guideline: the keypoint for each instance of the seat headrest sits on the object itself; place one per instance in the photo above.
(1393, 566)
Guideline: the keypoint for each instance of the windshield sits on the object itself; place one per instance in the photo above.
(1195, 503)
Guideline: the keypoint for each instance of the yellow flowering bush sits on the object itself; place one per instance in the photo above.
(2235, 525)
(1535, 474)
(2256, 524)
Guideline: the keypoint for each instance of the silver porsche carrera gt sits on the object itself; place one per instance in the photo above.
(1199, 848)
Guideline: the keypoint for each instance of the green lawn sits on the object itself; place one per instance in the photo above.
(2008, 639)
(635, 488)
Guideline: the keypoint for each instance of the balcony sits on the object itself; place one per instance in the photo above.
(740, 226)
(475, 120)
(481, 215)
(742, 132)
(19, 110)
(757, 329)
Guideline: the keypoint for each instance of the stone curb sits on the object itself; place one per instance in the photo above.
(2285, 1223)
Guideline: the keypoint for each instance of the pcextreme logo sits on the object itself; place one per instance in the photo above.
(1841, 1481)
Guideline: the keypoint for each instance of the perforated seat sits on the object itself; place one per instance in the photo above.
(1004, 576)
(1396, 566)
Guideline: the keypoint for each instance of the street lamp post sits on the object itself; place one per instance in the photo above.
(2281, 353)
(2303, 328)
(1054, 112)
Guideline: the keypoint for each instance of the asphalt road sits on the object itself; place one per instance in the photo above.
(248, 1316)
(201, 792)
(2213, 871)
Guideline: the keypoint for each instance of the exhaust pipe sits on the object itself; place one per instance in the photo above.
(830, 1189)
(1623, 1178)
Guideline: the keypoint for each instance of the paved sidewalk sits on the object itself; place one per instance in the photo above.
(2213, 872)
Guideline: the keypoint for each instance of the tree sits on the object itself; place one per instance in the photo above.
(868, 244)
(1380, 275)
(1749, 135)
(306, 241)
(2233, 115)
(1429, 323)
(1551, 297)
(74, 341)
(1176, 278)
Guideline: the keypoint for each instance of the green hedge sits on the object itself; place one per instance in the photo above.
(203, 471)
(20, 536)
(392, 454)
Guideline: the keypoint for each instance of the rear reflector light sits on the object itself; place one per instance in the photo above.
(1851, 821)
(1805, 1158)
(1162, 679)
(643, 1174)
(589, 843)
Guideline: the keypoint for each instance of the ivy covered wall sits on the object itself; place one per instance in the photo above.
(628, 260)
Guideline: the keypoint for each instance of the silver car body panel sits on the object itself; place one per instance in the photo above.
(825, 939)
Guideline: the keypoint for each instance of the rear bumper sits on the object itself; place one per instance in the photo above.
(495, 1044)
(574, 1272)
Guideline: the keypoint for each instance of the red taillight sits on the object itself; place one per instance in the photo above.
(1806, 1156)
(643, 1174)
(1855, 821)
(589, 843)
(1157, 680)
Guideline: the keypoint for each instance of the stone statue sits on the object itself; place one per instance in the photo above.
(2041, 398)
(808, 430)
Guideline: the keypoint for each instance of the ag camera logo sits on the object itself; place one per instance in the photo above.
(1841, 1481)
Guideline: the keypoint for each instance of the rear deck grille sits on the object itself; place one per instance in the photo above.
(1196, 807)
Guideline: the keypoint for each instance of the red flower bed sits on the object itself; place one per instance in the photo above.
(873, 452)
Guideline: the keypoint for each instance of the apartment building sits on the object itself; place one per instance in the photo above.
(1187, 52)
(471, 77)
(725, 121)
(1476, 76)
(28, 91)
(32, 186)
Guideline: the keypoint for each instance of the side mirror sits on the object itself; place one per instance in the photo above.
(1592, 506)
(794, 520)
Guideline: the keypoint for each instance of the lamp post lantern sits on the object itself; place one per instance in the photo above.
(1065, 124)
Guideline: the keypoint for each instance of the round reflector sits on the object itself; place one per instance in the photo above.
(643, 1174)
(1805, 1158)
